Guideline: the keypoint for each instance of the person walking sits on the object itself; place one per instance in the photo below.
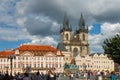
(26, 76)
(38, 76)
(6, 77)
(113, 76)
(88, 75)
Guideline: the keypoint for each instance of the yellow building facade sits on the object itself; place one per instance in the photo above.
(95, 62)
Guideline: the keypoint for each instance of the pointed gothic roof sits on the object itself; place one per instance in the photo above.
(66, 26)
(81, 22)
(65, 21)
(61, 47)
(82, 25)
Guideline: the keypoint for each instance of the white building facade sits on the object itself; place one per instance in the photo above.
(32, 58)
(95, 62)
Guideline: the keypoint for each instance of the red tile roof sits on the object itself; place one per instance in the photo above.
(6, 53)
(36, 48)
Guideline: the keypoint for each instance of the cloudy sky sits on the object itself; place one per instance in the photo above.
(39, 21)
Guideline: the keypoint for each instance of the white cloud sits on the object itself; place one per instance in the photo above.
(11, 34)
(21, 21)
(55, 27)
(43, 40)
(108, 30)
(90, 28)
(37, 19)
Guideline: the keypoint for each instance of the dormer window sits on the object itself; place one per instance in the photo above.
(58, 53)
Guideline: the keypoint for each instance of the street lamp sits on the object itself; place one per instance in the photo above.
(11, 57)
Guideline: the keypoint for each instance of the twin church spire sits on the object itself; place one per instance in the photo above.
(66, 25)
(76, 41)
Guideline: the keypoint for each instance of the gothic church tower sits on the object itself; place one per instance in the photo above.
(66, 31)
(76, 43)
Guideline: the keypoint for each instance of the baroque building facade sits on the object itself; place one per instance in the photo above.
(76, 43)
(96, 61)
(32, 58)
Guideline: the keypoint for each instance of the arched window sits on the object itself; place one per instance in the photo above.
(83, 37)
(75, 51)
(66, 36)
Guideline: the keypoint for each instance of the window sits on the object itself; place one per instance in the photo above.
(0, 67)
(26, 65)
(26, 58)
(46, 65)
(60, 65)
(75, 51)
(66, 36)
(56, 65)
(66, 58)
(14, 65)
(83, 37)
(60, 58)
(4, 60)
(41, 65)
(49, 65)
(18, 65)
(18, 58)
(38, 65)
(41, 58)
(53, 65)
(52, 58)
(35, 65)
(56, 58)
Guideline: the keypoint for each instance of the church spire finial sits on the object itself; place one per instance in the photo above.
(81, 22)
(65, 22)
(66, 25)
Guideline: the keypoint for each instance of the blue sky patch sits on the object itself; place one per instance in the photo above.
(11, 44)
(96, 29)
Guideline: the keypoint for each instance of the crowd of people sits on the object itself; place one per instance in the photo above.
(29, 76)
(51, 75)
(99, 75)
(93, 75)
